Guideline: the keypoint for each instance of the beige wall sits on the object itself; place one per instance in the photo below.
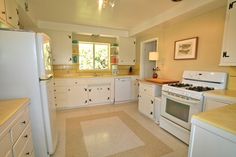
(208, 27)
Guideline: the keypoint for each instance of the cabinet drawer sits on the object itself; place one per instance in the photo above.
(28, 149)
(20, 143)
(64, 82)
(147, 89)
(20, 125)
(61, 89)
(5, 145)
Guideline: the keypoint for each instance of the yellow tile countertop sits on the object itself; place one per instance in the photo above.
(223, 118)
(91, 76)
(9, 107)
(222, 94)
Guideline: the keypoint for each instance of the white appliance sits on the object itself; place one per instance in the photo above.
(122, 89)
(181, 100)
(26, 71)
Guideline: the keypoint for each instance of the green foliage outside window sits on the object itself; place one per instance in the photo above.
(93, 56)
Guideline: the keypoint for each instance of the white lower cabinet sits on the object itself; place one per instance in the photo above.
(209, 141)
(218, 98)
(147, 94)
(15, 135)
(71, 93)
(99, 94)
(146, 105)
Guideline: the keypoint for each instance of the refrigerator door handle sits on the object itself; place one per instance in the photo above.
(46, 79)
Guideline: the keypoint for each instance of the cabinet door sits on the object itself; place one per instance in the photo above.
(2, 11)
(228, 55)
(61, 47)
(146, 105)
(12, 13)
(61, 97)
(78, 96)
(99, 94)
(134, 88)
(126, 51)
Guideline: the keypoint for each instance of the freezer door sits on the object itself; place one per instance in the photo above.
(49, 113)
(44, 55)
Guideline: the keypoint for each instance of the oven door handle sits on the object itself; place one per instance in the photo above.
(181, 100)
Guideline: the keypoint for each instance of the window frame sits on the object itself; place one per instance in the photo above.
(96, 43)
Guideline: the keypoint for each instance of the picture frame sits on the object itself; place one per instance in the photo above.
(186, 49)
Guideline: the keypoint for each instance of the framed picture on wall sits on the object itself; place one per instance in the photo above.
(186, 48)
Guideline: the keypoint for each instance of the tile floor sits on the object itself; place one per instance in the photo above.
(111, 126)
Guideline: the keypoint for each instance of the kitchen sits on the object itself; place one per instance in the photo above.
(205, 21)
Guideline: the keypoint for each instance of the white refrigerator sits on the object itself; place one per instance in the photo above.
(26, 71)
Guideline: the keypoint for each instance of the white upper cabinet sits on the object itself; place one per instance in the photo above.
(228, 55)
(12, 17)
(126, 51)
(2, 11)
(61, 47)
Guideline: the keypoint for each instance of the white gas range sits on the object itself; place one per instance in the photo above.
(181, 100)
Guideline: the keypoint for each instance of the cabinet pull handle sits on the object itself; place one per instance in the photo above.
(231, 5)
(225, 54)
(26, 136)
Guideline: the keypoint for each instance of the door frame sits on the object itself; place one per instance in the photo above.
(142, 47)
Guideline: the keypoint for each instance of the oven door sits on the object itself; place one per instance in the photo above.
(179, 109)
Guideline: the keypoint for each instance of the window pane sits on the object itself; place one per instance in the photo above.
(101, 58)
(85, 56)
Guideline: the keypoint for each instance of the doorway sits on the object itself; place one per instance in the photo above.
(146, 65)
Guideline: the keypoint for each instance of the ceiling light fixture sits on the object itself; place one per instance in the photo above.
(176, 0)
(106, 4)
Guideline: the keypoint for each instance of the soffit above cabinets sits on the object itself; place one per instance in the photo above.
(129, 15)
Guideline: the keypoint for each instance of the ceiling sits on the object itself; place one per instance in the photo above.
(125, 15)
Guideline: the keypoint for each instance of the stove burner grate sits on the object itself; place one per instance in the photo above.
(180, 85)
(200, 88)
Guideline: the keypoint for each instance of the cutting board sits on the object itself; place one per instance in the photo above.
(161, 80)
